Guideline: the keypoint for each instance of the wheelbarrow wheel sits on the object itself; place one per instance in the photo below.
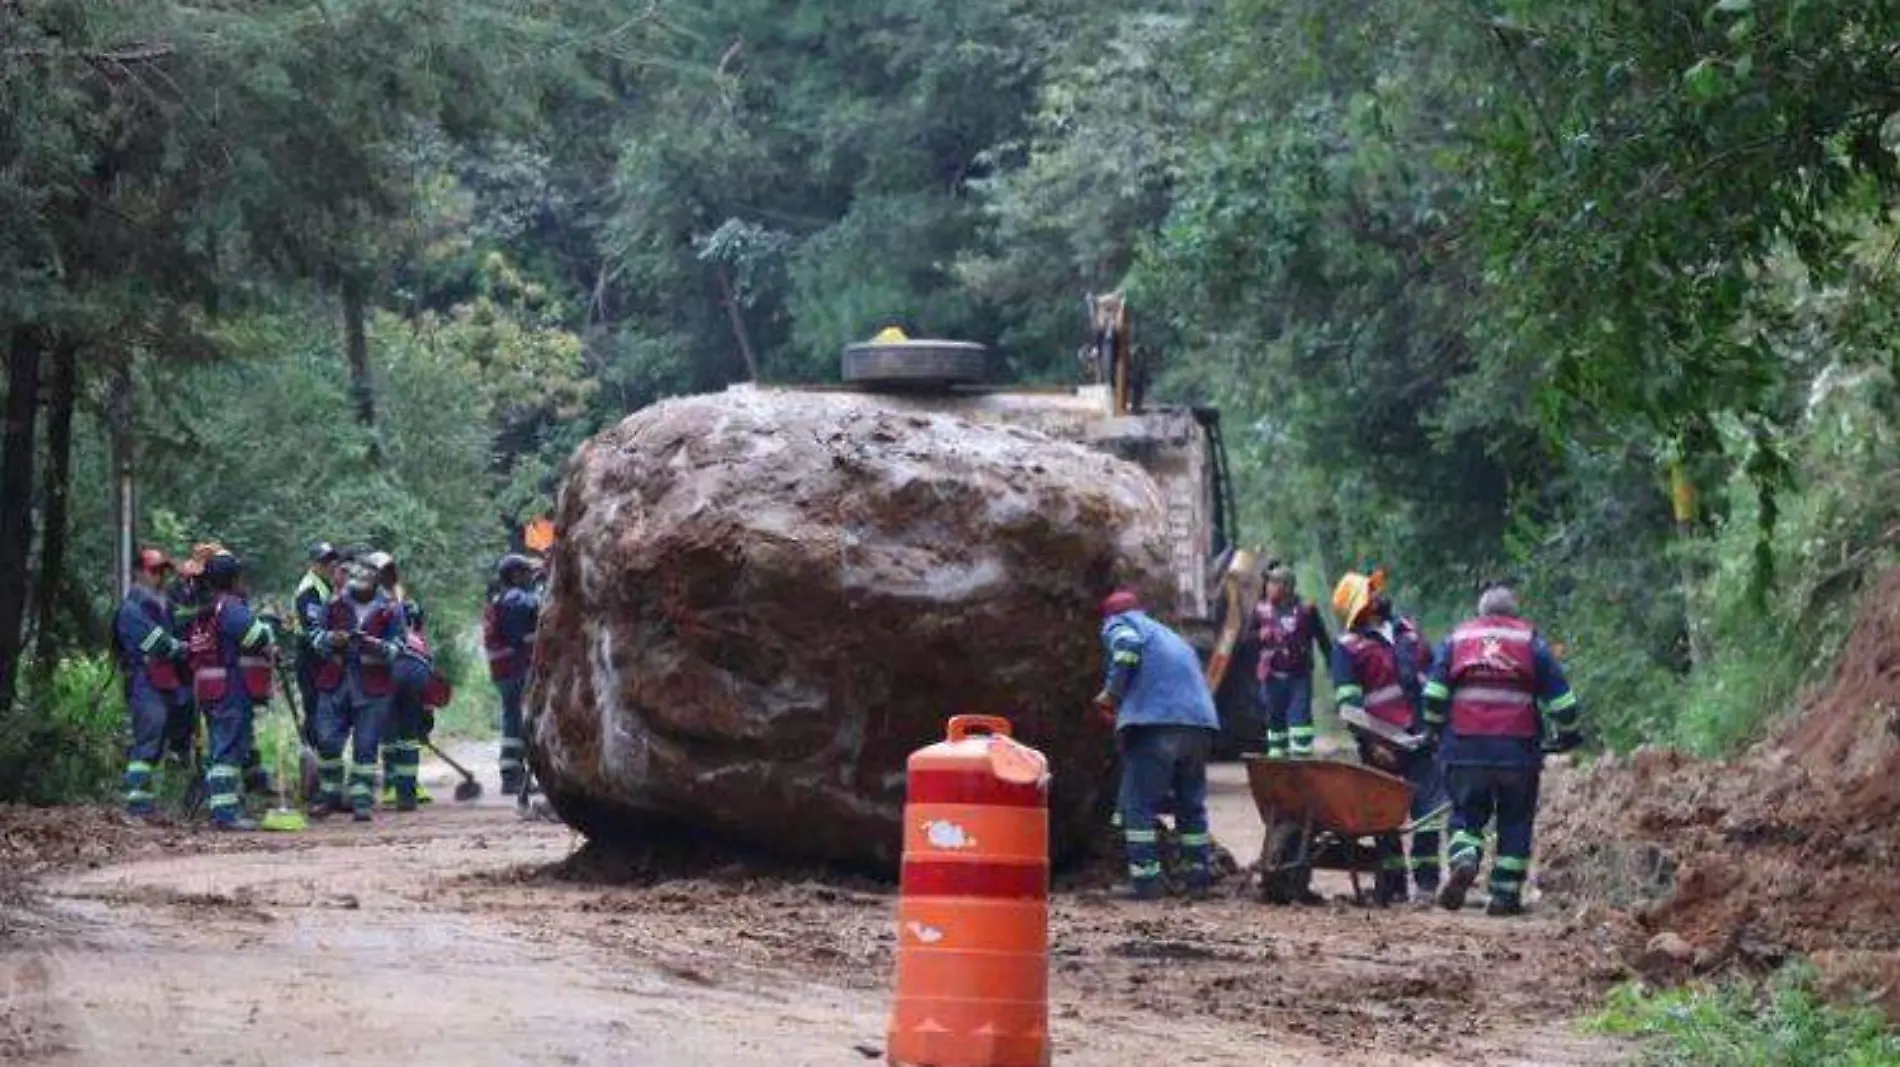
(1286, 873)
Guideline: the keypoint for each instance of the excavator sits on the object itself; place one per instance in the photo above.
(1181, 447)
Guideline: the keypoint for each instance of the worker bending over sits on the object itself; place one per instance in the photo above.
(1165, 725)
(1499, 699)
(1375, 678)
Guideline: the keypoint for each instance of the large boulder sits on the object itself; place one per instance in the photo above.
(763, 601)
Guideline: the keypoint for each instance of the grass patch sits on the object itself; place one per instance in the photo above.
(1782, 1022)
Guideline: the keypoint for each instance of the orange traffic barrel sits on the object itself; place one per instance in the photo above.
(973, 921)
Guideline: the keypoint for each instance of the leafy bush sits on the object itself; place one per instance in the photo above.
(1783, 1023)
(66, 743)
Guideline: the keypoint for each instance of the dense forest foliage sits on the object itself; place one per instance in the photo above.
(1476, 283)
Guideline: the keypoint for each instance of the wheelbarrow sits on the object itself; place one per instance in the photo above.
(1322, 815)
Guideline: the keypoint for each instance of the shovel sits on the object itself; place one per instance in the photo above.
(468, 788)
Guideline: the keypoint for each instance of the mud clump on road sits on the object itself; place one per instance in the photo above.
(1794, 848)
(764, 601)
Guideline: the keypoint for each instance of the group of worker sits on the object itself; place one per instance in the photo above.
(191, 645)
(1467, 724)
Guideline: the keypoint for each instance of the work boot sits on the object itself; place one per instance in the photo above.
(423, 796)
(1504, 905)
(1464, 871)
(234, 824)
(361, 813)
(1390, 889)
(510, 783)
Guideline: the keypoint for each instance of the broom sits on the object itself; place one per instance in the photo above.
(283, 818)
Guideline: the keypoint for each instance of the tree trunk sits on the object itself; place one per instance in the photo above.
(356, 348)
(124, 494)
(16, 500)
(64, 383)
(730, 297)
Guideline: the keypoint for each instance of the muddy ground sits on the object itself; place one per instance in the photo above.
(458, 936)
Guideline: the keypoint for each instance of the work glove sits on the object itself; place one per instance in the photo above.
(1106, 704)
(1568, 741)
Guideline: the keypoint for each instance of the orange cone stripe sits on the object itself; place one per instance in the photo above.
(998, 881)
(973, 786)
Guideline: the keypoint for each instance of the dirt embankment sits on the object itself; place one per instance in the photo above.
(1793, 848)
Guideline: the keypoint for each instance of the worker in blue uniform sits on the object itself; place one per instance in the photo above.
(1155, 693)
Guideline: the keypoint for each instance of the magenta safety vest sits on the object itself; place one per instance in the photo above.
(1375, 666)
(1493, 678)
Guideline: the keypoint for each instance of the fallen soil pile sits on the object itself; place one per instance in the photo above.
(764, 601)
(1794, 848)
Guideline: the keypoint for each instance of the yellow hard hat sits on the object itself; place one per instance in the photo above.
(890, 335)
(1351, 597)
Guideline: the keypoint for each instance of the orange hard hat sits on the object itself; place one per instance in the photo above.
(1351, 597)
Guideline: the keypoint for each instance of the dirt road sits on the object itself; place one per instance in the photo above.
(446, 937)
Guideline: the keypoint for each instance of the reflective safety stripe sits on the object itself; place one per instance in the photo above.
(1140, 837)
(1144, 870)
(138, 767)
(1349, 694)
(512, 744)
(223, 800)
(1385, 695)
(222, 770)
(1434, 715)
(1127, 658)
(402, 773)
(1433, 824)
(1393, 863)
(1490, 694)
(1196, 840)
(214, 674)
(1303, 731)
(139, 794)
(1513, 863)
(367, 770)
(1437, 690)
(258, 634)
(153, 639)
(1425, 863)
(331, 764)
(1562, 703)
(1500, 633)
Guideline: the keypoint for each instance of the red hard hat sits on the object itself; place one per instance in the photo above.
(1120, 602)
(153, 561)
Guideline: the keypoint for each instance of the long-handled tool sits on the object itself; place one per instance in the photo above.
(283, 818)
(468, 788)
(309, 767)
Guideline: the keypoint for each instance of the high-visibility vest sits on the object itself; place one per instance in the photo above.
(1375, 666)
(1493, 678)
